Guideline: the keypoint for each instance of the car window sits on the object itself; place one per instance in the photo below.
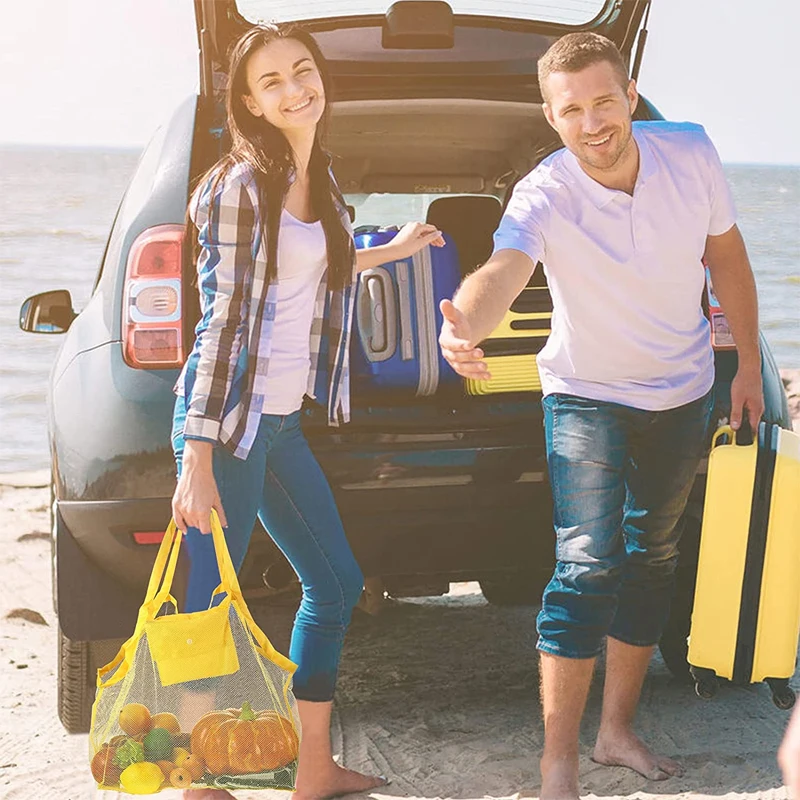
(562, 12)
(390, 209)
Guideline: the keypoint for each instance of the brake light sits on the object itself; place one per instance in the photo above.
(148, 537)
(152, 309)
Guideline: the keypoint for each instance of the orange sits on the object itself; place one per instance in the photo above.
(195, 766)
(167, 721)
(134, 719)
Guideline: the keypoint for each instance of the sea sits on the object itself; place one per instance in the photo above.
(57, 206)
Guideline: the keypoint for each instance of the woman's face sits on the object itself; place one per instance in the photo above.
(285, 85)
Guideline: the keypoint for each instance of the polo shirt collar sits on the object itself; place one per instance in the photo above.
(601, 195)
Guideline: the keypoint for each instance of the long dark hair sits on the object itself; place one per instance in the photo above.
(261, 145)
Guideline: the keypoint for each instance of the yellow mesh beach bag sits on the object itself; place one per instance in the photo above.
(197, 700)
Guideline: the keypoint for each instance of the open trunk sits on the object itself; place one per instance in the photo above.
(436, 113)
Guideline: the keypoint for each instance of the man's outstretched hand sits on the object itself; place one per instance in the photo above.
(458, 347)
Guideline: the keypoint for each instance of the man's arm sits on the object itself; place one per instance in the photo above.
(734, 285)
(478, 308)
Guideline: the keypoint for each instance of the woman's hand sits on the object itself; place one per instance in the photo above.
(413, 236)
(196, 493)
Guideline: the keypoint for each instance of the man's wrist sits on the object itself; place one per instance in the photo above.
(749, 361)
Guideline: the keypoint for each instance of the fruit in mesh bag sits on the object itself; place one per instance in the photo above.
(169, 722)
(158, 745)
(236, 742)
(104, 770)
(180, 778)
(143, 777)
(135, 719)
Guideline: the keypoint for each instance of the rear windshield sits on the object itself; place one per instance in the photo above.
(561, 12)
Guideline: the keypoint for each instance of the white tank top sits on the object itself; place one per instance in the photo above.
(302, 258)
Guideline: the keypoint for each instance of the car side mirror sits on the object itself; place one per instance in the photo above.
(49, 312)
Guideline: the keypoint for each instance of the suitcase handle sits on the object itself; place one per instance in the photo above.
(726, 430)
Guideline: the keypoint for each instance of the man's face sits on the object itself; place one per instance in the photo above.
(591, 112)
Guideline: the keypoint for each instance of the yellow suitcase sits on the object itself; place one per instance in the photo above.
(511, 348)
(746, 615)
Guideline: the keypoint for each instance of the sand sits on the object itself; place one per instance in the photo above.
(437, 693)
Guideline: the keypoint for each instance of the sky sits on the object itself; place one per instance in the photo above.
(108, 72)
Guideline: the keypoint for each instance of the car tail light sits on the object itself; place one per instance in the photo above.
(148, 537)
(152, 307)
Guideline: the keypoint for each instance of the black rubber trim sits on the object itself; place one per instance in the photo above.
(524, 346)
(530, 324)
(756, 551)
(533, 300)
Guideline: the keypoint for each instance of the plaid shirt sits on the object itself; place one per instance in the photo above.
(224, 377)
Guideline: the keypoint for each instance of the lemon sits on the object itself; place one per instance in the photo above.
(142, 778)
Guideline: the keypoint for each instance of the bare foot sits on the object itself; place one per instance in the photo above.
(622, 748)
(559, 778)
(207, 794)
(334, 781)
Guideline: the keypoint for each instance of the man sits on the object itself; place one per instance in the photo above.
(789, 754)
(621, 219)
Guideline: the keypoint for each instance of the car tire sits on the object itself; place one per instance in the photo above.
(514, 589)
(75, 684)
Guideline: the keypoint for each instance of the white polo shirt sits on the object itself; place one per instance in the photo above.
(625, 272)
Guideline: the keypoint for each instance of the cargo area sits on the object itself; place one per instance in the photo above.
(452, 163)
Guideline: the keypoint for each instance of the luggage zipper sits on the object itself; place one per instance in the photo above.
(426, 323)
(756, 552)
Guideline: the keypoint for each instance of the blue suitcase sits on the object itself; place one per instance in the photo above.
(395, 344)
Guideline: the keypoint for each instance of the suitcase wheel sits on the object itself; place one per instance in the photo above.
(782, 695)
(705, 682)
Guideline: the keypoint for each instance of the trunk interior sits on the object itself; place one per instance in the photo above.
(450, 161)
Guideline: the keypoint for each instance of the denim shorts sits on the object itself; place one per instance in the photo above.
(620, 479)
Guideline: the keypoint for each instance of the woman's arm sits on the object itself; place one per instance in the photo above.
(196, 493)
(226, 226)
(412, 237)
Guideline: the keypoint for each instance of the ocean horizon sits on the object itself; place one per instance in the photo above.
(57, 204)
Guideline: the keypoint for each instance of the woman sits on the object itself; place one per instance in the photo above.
(276, 261)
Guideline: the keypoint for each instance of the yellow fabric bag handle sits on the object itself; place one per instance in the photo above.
(158, 593)
(229, 583)
(162, 574)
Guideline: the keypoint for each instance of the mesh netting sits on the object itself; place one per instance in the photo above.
(198, 700)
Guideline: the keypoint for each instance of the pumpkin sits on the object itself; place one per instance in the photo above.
(236, 742)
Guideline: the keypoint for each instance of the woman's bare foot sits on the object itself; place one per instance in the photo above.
(622, 748)
(207, 794)
(334, 781)
(559, 778)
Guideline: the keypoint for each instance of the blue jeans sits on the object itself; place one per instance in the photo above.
(620, 479)
(282, 484)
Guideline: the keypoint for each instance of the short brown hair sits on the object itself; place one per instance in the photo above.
(576, 51)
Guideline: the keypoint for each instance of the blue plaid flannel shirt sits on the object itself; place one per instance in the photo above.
(223, 379)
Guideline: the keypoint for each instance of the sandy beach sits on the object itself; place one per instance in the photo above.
(440, 694)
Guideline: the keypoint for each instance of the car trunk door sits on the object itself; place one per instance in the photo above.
(374, 37)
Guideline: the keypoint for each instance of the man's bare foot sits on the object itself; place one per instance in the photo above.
(622, 748)
(207, 794)
(559, 778)
(334, 781)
